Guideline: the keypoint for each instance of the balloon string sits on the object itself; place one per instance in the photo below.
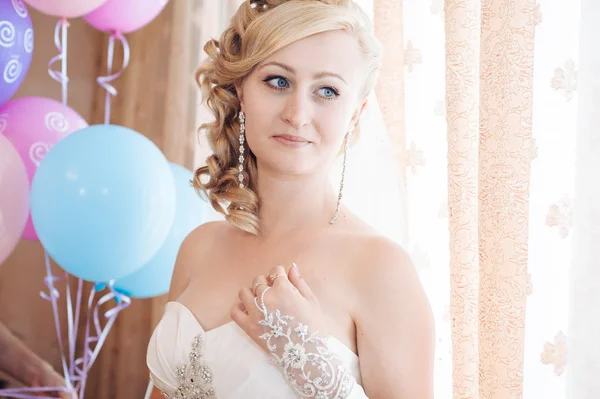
(93, 341)
(73, 321)
(82, 365)
(22, 392)
(73, 336)
(52, 297)
(104, 81)
(60, 41)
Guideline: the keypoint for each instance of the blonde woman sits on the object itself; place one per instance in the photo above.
(292, 295)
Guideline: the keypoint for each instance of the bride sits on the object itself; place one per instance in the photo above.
(292, 295)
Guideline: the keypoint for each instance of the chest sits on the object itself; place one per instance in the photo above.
(213, 293)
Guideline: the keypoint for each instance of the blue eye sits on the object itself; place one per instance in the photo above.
(277, 82)
(328, 92)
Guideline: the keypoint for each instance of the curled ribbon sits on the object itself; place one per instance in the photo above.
(83, 364)
(52, 296)
(60, 41)
(22, 392)
(95, 334)
(104, 81)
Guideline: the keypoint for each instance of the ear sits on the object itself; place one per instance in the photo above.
(240, 94)
(357, 115)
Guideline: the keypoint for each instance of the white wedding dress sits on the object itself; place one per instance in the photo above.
(187, 362)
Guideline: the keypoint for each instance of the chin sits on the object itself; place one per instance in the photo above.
(289, 164)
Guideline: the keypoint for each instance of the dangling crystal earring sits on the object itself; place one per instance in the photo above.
(242, 119)
(341, 193)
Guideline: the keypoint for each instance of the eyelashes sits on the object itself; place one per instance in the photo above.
(280, 83)
(278, 79)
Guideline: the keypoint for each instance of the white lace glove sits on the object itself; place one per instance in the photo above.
(304, 356)
(305, 359)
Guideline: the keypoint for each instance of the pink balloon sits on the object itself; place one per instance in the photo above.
(124, 16)
(65, 8)
(14, 198)
(33, 125)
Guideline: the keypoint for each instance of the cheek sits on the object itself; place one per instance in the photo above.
(333, 125)
(252, 138)
(259, 119)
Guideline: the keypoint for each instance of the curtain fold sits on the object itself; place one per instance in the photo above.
(462, 115)
(505, 129)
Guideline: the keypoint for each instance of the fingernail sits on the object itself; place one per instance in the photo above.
(296, 268)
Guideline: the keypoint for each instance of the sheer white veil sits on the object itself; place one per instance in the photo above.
(373, 187)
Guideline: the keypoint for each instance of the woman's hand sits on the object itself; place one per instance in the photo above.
(26, 367)
(282, 315)
(289, 294)
(46, 376)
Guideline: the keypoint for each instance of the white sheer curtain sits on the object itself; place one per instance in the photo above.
(561, 348)
(556, 103)
(584, 283)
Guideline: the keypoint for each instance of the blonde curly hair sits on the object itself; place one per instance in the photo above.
(257, 30)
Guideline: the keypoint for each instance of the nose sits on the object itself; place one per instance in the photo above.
(297, 112)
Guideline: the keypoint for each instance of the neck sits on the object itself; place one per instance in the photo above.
(290, 204)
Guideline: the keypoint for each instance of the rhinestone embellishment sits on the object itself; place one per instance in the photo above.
(194, 380)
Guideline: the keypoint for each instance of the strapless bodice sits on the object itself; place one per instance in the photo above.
(180, 351)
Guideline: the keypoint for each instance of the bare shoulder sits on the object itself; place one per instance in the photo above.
(203, 238)
(195, 245)
(393, 317)
(375, 256)
(381, 258)
(376, 263)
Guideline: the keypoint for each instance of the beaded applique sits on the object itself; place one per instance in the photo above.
(194, 381)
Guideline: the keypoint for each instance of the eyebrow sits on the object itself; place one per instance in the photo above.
(318, 75)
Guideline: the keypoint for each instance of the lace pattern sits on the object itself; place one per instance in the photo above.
(308, 365)
(194, 380)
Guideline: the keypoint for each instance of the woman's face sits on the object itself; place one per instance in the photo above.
(301, 101)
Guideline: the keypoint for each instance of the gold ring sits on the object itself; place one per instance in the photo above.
(274, 277)
(258, 285)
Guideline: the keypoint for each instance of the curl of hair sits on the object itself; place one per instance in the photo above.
(258, 29)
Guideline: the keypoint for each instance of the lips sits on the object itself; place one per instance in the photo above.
(290, 137)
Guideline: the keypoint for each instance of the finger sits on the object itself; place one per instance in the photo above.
(239, 315)
(247, 299)
(261, 289)
(300, 283)
(277, 271)
(259, 284)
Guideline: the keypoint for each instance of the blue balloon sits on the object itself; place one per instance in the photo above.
(154, 278)
(16, 46)
(103, 202)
